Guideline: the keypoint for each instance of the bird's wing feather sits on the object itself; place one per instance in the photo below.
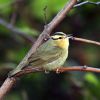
(45, 56)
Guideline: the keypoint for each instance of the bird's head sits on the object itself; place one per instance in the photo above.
(61, 39)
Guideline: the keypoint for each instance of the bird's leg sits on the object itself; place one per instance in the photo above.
(57, 71)
(84, 67)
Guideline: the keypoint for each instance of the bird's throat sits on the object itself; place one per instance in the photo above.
(64, 43)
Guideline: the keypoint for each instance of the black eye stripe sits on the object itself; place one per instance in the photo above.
(57, 38)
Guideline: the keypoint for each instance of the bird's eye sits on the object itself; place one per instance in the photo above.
(60, 37)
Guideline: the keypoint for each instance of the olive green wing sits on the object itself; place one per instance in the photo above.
(45, 56)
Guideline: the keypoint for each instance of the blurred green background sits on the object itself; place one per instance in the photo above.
(21, 21)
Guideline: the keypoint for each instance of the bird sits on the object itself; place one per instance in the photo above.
(50, 55)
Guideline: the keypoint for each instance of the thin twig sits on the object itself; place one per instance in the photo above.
(87, 2)
(60, 70)
(45, 15)
(14, 14)
(86, 41)
(15, 30)
(62, 14)
(79, 68)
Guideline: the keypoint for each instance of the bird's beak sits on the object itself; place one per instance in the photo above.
(69, 36)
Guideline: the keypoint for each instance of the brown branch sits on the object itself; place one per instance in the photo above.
(7, 85)
(86, 41)
(62, 14)
(9, 82)
(79, 68)
(87, 2)
(60, 70)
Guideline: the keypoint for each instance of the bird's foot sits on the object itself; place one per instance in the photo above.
(84, 67)
(46, 72)
(57, 71)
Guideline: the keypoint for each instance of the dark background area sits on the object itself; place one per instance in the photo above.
(28, 17)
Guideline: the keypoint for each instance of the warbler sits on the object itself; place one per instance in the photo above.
(50, 55)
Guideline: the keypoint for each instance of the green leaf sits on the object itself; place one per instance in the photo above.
(91, 78)
(5, 6)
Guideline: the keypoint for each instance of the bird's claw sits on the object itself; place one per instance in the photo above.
(57, 71)
(84, 67)
(46, 72)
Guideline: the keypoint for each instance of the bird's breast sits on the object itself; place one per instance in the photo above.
(57, 63)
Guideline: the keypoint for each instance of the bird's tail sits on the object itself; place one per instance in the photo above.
(13, 72)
